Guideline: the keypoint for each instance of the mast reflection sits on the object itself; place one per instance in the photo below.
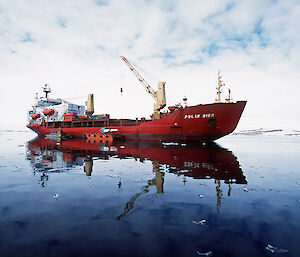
(198, 162)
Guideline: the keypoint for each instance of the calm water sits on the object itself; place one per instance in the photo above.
(232, 198)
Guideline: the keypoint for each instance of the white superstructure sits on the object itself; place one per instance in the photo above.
(46, 109)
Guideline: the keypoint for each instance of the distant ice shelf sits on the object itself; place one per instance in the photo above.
(262, 131)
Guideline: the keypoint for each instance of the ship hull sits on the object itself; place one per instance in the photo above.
(195, 123)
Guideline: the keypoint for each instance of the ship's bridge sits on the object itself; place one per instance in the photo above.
(43, 101)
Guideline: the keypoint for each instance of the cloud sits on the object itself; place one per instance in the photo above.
(27, 38)
(75, 46)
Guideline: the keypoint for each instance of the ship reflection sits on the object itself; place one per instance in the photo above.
(198, 162)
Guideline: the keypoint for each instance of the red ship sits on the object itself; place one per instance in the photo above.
(203, 122)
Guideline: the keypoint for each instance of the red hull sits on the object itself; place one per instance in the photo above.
(196, 123)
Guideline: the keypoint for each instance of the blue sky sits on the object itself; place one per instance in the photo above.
(74, 46)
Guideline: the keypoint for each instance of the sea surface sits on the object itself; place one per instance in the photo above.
(237, 197)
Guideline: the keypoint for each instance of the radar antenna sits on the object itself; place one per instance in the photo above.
(47, 90)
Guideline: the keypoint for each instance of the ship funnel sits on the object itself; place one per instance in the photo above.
(89, 105)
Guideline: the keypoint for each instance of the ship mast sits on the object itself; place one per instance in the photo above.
(47, 90)
(220, 85)
(159, 95)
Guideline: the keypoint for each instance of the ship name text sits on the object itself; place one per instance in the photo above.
(198, 116)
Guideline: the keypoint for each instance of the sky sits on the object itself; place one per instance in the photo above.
(75, 47)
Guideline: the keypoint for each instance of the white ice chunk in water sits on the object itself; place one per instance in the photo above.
(275, 249)
(209, 253)
(56, 196)
(201, 222)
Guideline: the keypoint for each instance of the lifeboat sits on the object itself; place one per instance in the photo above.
(48, 112)
(35, 116)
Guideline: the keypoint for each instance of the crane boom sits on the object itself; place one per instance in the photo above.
(145, 84)
(159, 95)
